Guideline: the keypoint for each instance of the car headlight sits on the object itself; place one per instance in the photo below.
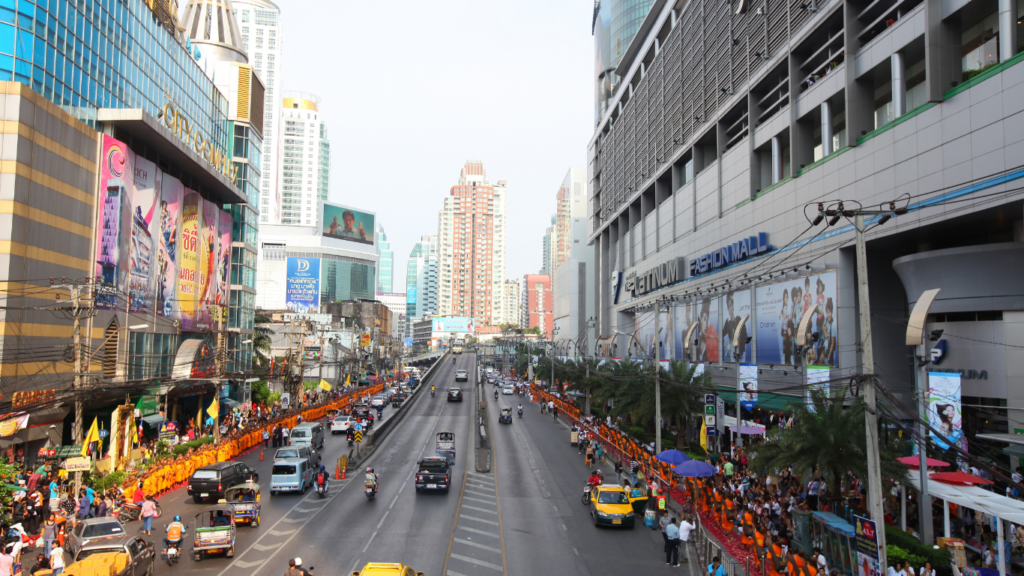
(630, 515)
(602, 514)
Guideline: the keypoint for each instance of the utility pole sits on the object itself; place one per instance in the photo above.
(868, 370)
(320, 370)
(657, 376)
(76, 310)
(222, 356)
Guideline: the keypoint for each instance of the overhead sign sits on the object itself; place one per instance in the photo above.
(939, 352)
(735, 252)
(654, 278)
(78, 464)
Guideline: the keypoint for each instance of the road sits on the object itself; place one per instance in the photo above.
(523, 518)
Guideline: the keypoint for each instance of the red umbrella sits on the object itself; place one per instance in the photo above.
(915, 462)
(959, 478)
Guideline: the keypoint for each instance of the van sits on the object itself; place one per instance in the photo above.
(211, 481)
(290, 475)
(307, 434)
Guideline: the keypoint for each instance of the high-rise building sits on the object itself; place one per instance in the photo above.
(386, 263)
(537, 303)
(512, 306)
(305, 160)
(615, 24)
(396, 302)
(548, 256)
(259, 25)
(571, 202)
(421, 280)
(471, 247)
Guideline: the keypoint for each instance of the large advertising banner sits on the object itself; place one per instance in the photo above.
(944, 410)
(748, 386)
(817, 379)
(343, 223)
(643, 329)
(207, 270)
(708, 330)
(737, 305)
(144, 232)
(780, 307)
(171, 194)
(867, 547)
(188, 259)
(114, 222)
(683, 317)
(302, 285)
(453, 324)
(223, 267)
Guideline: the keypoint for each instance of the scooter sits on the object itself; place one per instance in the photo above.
(173, 552)
(586, 494)
(431, 392)
(370, 490)
(321, 489)
(520, 412)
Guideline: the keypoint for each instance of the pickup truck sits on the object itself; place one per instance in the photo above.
(399, 399)
(129, 556)
(433, 473)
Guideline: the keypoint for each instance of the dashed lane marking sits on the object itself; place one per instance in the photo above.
(479, 509)
(480, 532)
(478, 545)
(280, 532)
(477, 562)
(491, 501)
(241, 564)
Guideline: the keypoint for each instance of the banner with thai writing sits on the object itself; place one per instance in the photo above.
(188, 259)
(144, 231)
(172, 193)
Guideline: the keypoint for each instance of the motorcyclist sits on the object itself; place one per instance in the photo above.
(594, 480)
(520, 410)
(323, 478)
(380, 412)
(371, 479)
(495, 393)
(173, 532)
(351, 434)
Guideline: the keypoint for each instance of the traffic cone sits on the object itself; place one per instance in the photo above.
(342, 473)
(337, 472)
(261, 454)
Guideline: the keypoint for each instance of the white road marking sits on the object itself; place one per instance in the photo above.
(354, 566)
(491, 501)
(264, 547)
(247, 564)
(280, 532)
(475, 545)
(454, 573)
(468, 491)
(382, 518)
(574, 548)
(478, 519)
(292, 520)
(372, 536)
(317, 509)
(477, 562)
(478, 509)
(481, 532)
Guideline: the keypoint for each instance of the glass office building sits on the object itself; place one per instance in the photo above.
(89, 54)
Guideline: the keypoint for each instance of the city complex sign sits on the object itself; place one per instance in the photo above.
(657, 277)
(186, 130)
(735, 252)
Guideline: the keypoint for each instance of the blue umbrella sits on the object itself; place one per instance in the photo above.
(673, 457)
(694, 469)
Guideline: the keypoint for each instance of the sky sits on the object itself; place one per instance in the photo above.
(410, 90)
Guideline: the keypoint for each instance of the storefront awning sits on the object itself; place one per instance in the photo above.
(974, 498)
(38, 428)
(154, 420)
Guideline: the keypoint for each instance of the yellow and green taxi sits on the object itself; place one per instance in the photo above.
(609, 506)
(386, 569)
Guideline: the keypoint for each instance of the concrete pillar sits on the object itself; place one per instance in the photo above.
(776, 159)
(1007, 29)
(899, 85)
(826, 128)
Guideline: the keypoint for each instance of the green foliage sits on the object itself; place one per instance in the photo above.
(261, 340)
(7, 473)
(260, 392)
(894, 553)
(107, 481)
(968, 74)
(830, 441)
(911, 546)
(182, 448)
(163, 447)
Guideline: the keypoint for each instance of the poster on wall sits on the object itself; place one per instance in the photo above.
(343, 223)
(780, 307)
(206, 271)
(188, 259)
(114, 222)
(223, 267)
(302, 285)
(603, 348)
(683, 317)
(144, 232)
(867, 547)
(748, 386)
(171, 193)
(944, 410)
(707, 331)
(737, 305)
(817, 379)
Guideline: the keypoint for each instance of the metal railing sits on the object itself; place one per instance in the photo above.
(707, 547)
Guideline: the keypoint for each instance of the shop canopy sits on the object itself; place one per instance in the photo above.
(974, 498)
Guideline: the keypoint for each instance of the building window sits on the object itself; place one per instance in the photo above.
(245, 15)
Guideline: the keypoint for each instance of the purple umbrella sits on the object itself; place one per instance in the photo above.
(673, 457)
(694, 469)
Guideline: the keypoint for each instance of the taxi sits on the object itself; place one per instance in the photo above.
(609, 506)
(385, 569)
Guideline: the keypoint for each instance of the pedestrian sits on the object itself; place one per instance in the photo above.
(101, 506)
(672, 543)
(49, 535)
(84, 506)
(6, 563)
(284, 436)
(663, 523)
(634, 468)
(716, 568)
(139, 495)
(57, 560)
(819, 561)
(266, 438)
(54, 494)
(685, 527)
(147, 514)
(42, 563)
(590, 456)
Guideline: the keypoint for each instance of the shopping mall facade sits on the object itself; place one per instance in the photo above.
(733, 121)
(129, 180)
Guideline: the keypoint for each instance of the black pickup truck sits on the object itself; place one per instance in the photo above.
(433, 473)
(398, 399)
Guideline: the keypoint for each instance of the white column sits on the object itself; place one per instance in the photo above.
(1001, 547)
(1007, 29)
(826, 128)
(945, 518)
(899, 86)
(776, 159)
(903, 506)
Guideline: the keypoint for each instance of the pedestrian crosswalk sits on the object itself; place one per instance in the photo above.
(476, 546)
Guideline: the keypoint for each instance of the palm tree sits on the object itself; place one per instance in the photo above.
(829, 440)
(261, 340)
(682, 396)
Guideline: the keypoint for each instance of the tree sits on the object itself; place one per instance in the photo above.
(828, 441)
(261, 340)
(532, 330)
(682, 396)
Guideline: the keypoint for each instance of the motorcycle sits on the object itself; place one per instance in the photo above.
(586, 494)
(431, 392)
(520, 412)
(173, 552)
(370, 489)
(321, 489)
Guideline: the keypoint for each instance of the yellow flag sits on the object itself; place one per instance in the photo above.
(325, 385)
(92, 436)
(348, 380)
(214, 409)
(704, 435)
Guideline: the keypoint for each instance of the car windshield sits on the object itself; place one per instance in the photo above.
(205, 475)
(613, 498)
(433, 465)
(287, 454)
(283, 469)
(104, 529)
(94, 551)
(341, 419)
(300, 433)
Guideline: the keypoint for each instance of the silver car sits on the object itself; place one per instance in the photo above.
(93, 529)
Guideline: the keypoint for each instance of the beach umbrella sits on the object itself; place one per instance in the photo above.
(673, 457)
(694, 469)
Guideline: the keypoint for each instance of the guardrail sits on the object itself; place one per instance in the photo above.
(707, 548)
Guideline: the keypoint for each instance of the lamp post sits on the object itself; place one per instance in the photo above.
(553, 334)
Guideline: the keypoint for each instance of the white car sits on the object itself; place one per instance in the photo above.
(378, 402)
(508, 390)
(461, 376)
(341, 424)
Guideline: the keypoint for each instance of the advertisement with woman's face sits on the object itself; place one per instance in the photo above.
(944, 409)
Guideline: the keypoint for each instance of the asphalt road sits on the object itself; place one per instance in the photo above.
(524, 518)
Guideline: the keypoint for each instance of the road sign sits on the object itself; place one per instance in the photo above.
(712, 431)
(709, 399)
(358, 437)
(709, 420)
(711, 410)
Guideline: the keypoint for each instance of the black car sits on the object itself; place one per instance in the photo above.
(433, 473)
(454, 395)
(399, 399)
(212, 480)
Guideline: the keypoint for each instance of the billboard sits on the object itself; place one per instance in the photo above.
(944, 410)
(343, 223)
(142, 257)
(302, 281)
(817, 379)
(736, 305)
(748, 385)
(188, 259)
(171, 194)
(780, 307)
(410, 295)
(645, 333)
(114, 221)
(453, 324)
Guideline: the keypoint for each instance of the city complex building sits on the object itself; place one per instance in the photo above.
(305, 160)
(259, 24)
(132, 189)
(731, 123)
(614, 24)
(548, 248)
(538, 300)
(395, 301)
(572, 287)
(421, 281)
(571, 203)
(512, 304)
(471, 247)
(386, 262)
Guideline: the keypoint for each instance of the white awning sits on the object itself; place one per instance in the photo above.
(975, 498)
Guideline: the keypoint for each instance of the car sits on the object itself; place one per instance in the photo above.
(290, 475)
(508, 390)
(382, 569)
(454, 395)
(492, 380)
(93, 529)
(212, 480)
(461, 376)
(399, 399)
(378, 401)
(433, 473)
(609, 506)
(489, 370)
(140, 554)
(307, 434)
(341, 424)
(305, 452)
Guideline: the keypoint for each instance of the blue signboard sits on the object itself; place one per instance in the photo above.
(407, 341)
(410, 295)
(302, 291)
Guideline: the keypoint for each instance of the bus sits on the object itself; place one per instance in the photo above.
(458, 346)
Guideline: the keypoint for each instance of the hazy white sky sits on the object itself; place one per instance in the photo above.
(411, 90)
